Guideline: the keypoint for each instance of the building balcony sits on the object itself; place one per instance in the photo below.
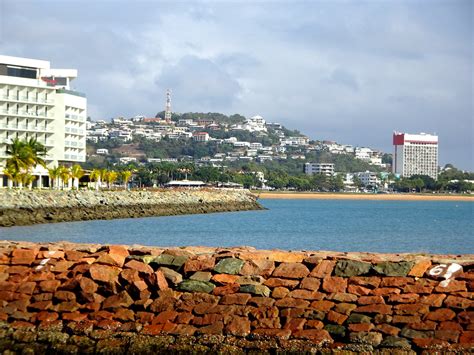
(26, 114)
(74, 131)
(74, 118)
(26, 100)
(74, 157)
(27, 128)
(72, 144)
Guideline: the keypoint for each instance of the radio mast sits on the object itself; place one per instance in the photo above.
(168, 106)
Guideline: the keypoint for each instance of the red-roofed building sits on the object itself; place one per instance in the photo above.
(200, 136)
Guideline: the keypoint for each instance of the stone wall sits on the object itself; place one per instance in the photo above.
(90, 298)
(23, 207)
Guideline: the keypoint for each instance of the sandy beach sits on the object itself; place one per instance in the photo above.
(355, 196)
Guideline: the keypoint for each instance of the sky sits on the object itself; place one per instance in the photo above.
(348, 71)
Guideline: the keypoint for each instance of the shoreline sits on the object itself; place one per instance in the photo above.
(33, 207)
(354, 196)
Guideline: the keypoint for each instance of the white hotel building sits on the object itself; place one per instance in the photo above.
(415, 154)
(37, 101)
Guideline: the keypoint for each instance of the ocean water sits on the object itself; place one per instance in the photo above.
(340, 225)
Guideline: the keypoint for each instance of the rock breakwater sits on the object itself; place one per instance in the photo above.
(32, 207)
(72, 298)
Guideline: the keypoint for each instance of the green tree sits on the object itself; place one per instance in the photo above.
(76, 173)
(54, 174)
(64, 175)
(110, 177)
(125, 176)
(95, 176)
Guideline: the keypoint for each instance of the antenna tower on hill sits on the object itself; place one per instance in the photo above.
(168, 106)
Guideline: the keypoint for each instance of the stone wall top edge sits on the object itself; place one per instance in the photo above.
(248, 252)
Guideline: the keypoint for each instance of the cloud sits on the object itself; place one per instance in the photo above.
(343, 78)
(199, 84)
(335, 70)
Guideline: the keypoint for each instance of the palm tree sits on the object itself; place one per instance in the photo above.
(125, 177)
(24, 156)
(95, 176)
(110, 177)
(76, 173)
(54, 176)
(64, 175)
(37, 151)
(103, 175)
(12, 174)
(27, 179)
(19, 156)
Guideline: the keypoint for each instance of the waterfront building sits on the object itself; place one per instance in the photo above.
(368, 178)
(319, 168)
(415, 154)
(37, 101)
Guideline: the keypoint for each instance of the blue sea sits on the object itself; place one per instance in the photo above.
(340, 225)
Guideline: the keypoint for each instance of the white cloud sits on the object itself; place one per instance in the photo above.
(335, 70)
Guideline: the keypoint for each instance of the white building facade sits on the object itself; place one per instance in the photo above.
(37, 102)
(319, 168)
(415, 154)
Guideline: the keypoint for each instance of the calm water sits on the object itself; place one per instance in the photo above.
(377, 226)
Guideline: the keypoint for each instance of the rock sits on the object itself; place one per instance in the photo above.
(260, 290)
(201, 276)
(199, 264)
(139, 266)
(123, 299)
(412, 334)
(334, 284)
(291, 271)
(348, 268)
(236, 298)
(161, 280)
(395, 342)
(323, 269)
(358, 318)
(111, 259)
(225, 279)
(261, 267)
(315, 335)
(388, 268)
(230, 266)
(87, 285)
(310, 283)
(336, 330)
(171, 275)
(250, 280)
(196, 286)
(49, 285)
(23, 256)
(238, 326)
(163, 259)
(104, 273)
(419, 269)
(369, 338)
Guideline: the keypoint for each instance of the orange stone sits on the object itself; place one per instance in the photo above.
(291, 270)
(419, 269)
(323, 269)
(224, 279)
(334, 284)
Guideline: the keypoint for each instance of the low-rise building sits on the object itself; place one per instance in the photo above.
(368, 178)
(200, 136)
(319, 168)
